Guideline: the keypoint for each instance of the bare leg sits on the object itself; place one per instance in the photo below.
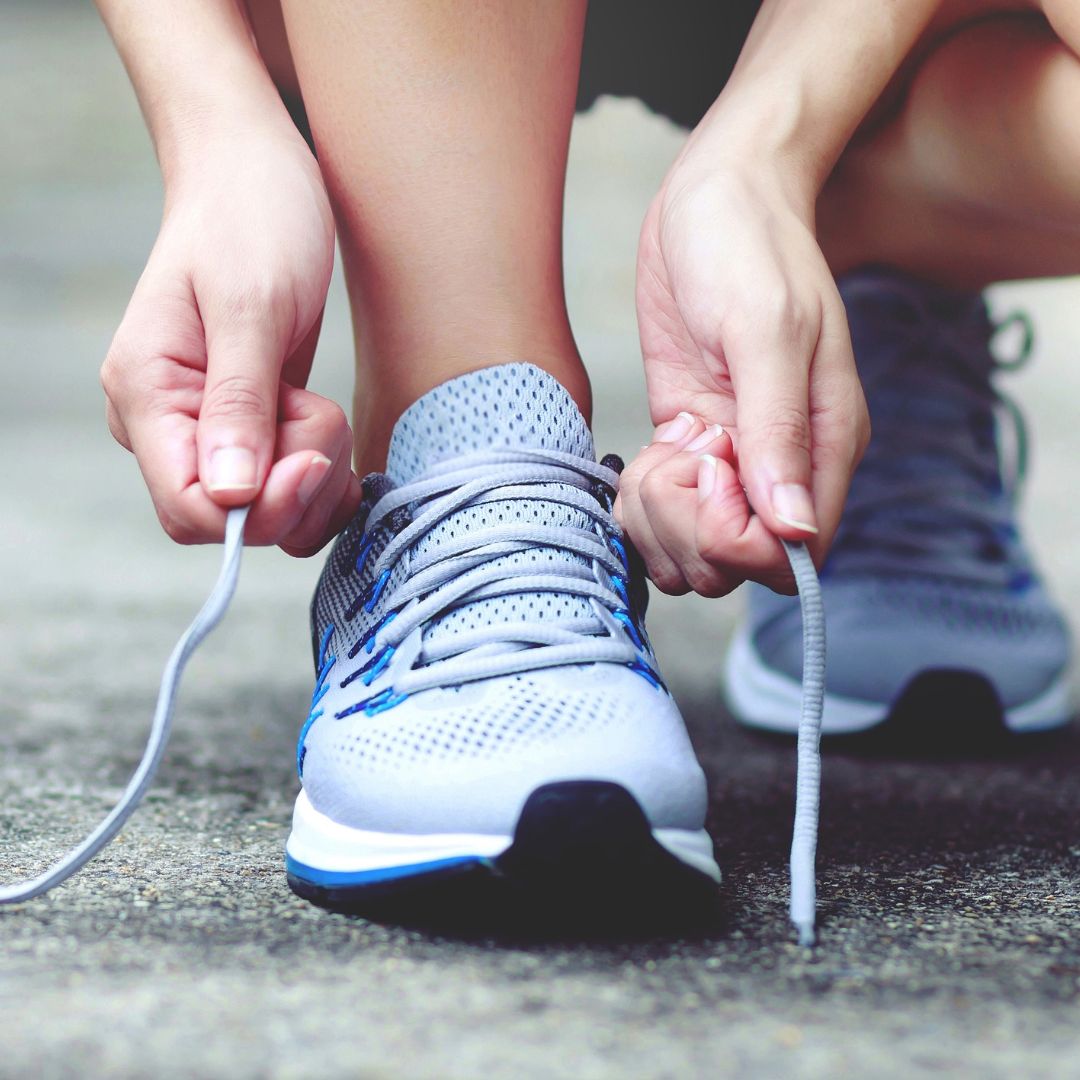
(977, 179)
(442, 131)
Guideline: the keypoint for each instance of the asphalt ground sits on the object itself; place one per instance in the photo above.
(948, 886)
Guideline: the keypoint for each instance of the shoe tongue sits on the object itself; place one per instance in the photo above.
(924, 359)
(900, 325)
(512, 405)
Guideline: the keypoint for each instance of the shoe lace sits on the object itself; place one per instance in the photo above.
(468, 570)
(479, 566)
(499, 649)
(210, 615)
(932, 496)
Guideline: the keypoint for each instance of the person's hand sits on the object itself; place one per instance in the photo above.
(741, 326)
(205, 377)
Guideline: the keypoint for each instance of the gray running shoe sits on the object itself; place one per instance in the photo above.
(937, 617)
(489, 728)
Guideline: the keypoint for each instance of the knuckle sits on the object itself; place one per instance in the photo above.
(787, 425)
(116, 363)
(116, 425)
(235, 397)
(257, 298)
(706, 581)
(668, 580)
(786, 314)
(651, 487)
(793, 315)
(179, 531)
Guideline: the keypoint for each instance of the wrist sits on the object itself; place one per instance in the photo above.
(761, 140)
(198, 75)
(214, 120)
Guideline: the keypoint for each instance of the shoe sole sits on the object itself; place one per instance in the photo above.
(582, 854)
(762, 698)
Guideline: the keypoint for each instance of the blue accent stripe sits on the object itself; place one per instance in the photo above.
(313, 876)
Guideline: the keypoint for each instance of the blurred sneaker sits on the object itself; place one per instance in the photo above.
(937, 618)
(488, 725)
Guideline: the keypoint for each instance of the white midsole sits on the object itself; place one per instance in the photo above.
(761, 697)
(327, 845)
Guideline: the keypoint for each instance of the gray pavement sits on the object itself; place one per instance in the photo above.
(949, 890)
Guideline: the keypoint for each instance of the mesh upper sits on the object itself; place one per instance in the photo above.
(507, 406)
(465, 758)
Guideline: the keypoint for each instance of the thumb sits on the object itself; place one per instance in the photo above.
(774, 441)
(238, 413)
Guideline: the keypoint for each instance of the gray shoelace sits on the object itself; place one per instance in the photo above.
(808, 762)
(204, 622)
(481, 566)
(497, 646)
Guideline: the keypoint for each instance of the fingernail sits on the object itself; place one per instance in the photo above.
(792, 505)
(706, 438)
(232, 468)
(314, 478)
(706, 477)
(674, 430)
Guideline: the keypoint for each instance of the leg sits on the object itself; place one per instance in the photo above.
(442, 131)
(977, 177)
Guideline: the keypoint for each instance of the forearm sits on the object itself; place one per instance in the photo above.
(196, 71)
(808, 74)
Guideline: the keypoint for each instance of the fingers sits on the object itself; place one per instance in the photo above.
(176, 417)
(246, 344)
(699, 515)
(320, 525)
(839, 420)
(310, 492)
(308, 497)
(671, 440)
(298, 366)
(771, 377)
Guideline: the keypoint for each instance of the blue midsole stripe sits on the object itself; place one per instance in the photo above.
(314, 876)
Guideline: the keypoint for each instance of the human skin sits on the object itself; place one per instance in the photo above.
(205, 377)
(442, 131)
(964, 172)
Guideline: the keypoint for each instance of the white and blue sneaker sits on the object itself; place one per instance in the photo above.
(938, 623)
(488, 722)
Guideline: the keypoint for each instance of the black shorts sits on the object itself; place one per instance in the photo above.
(675, 55)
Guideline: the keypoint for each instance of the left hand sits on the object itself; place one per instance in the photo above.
(742, 326)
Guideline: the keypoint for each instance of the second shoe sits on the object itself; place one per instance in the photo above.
(939, 624)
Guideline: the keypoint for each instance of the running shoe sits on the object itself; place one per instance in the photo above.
(939, 625)
(489, 727)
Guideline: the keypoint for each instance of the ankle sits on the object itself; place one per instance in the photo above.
(387, 385)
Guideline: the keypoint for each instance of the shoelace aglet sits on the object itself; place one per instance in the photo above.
(807, 938)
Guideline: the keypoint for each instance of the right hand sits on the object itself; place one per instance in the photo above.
(205, 377)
